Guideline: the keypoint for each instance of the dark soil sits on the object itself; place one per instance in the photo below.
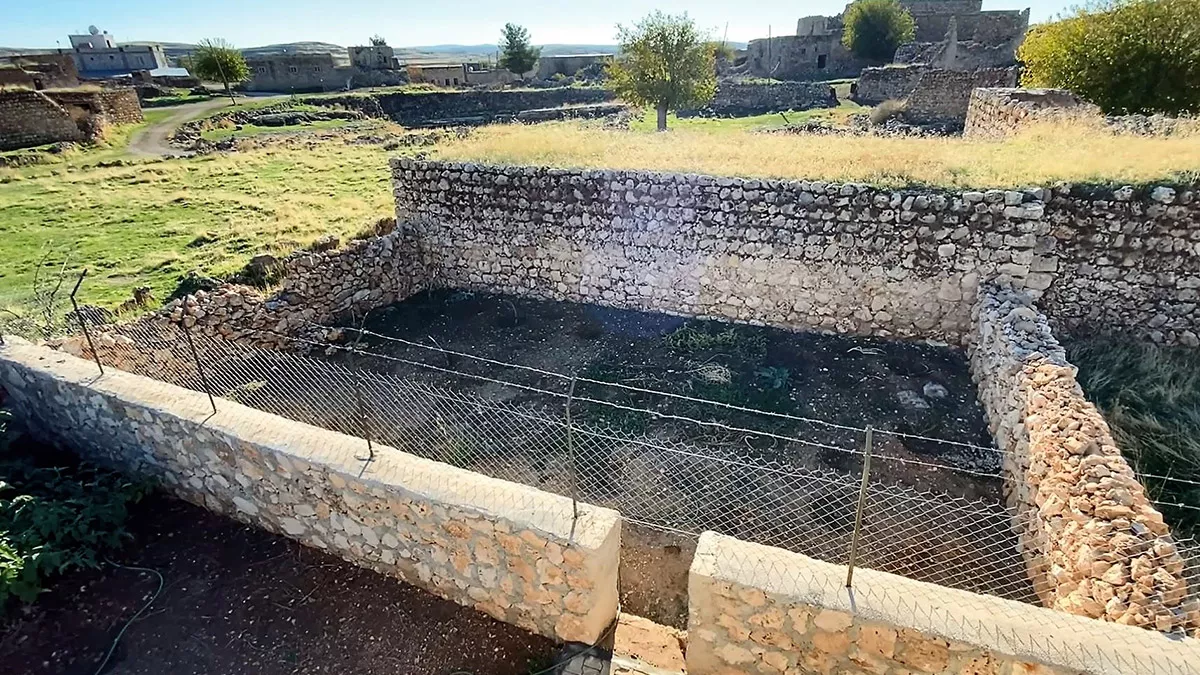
(893, 386)
(239, 600)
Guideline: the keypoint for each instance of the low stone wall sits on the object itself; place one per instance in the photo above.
(757, 609)
(998, 112)
(1093, 543)
(508, 550)
(30, 118)
(799, 254)
(876, 85)
(111, 106)
(462, 107)
(942, 96)
(741, 99)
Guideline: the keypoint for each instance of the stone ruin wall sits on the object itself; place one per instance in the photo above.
(432, 108)
(944, 95)
(1093, 543)
(757, 609)
(999, 112)
(807, 254)
(877, 85)
(740, 99)
(510, 551)
(31, 118)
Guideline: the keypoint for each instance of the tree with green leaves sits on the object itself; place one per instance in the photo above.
(873, 29)
(216, 60)
(378, 40)
(1126, 56)
(517, 55)
(666, 62)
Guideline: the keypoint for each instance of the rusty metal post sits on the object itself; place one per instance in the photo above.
(858, 515)
(187, 334)
(83, 323)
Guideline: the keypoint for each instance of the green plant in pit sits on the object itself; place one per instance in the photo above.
(699, 336)
(55, 519)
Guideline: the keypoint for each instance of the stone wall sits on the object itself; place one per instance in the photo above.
(741, 99)
(29, 118)
(877, 85)
(1094, 544)
(756, 609)
(507, 550)
(463, 107)
(802, 57)
(801, 254)
(110, 106)
(943, 95)
(1001, 111)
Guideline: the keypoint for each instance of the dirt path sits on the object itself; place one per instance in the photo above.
(154, 140)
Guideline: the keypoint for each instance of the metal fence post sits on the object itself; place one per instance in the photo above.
(187, 334)
(571, 457)
(858, 515)
(359, 403)
(83, 323)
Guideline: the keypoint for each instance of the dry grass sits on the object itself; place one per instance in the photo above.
(1041, 156)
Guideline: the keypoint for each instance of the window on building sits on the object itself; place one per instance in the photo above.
(293, 69)
(821, 60)
(261, 70)
(316, 69)
(456, 81)
(804, 50)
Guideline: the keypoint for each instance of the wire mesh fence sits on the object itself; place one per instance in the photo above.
(507, 430)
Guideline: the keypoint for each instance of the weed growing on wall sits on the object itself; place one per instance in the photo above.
(55, 519)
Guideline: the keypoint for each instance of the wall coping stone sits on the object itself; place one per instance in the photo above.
(999, 625)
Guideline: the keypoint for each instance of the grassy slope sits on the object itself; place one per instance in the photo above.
(1150, 396)
(221, 134)
(148, 223)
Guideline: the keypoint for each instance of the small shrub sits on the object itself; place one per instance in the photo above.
(888, 110)
(55, 519)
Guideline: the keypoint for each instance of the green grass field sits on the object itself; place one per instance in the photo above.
(150, 222)
(221, 134)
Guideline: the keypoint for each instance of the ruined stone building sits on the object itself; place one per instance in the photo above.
(366, 66)
(953, 34)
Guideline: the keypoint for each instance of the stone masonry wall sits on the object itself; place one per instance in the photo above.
(756, 609)
(944, 95)
(437, 108)
(740, 99)
(998, 112)
(30, 118)
(1094, 545)
(877, 85)
(507, 550)
(801, 254)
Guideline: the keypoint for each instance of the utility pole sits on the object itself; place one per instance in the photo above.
(224, 80)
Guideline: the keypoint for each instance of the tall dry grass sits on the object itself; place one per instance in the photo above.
(1039, 156)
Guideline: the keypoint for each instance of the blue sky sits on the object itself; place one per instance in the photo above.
(249, 23)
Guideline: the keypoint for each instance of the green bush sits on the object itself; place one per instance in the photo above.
(875, 28)
(1127, 56)
(54, 520)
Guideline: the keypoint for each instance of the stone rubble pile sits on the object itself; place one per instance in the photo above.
(1094, 543)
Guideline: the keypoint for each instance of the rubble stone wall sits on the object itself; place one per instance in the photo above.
(757, 609)
(508, 550)
(880, 84)
(944, 95)
(1001, 111)
(740, 99)
(807, 254)
(462, 107)
(1093, 543)
(30, 118)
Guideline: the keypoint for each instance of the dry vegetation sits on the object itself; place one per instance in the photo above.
(1041, 156)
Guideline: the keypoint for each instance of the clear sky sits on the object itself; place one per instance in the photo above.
(251, 23)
